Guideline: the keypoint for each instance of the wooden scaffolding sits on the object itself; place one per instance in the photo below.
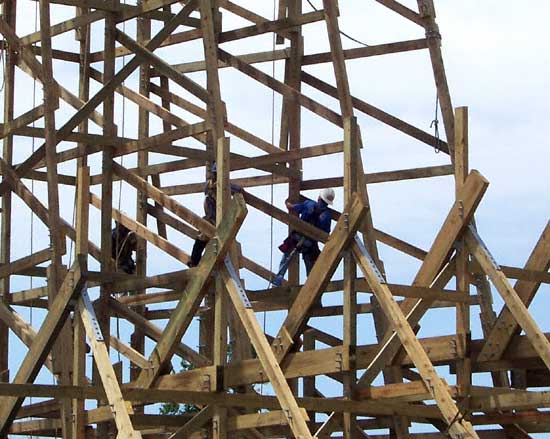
(129, 51)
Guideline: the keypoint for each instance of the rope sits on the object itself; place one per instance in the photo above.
(4, 65)
(435, 125)
(344, 34)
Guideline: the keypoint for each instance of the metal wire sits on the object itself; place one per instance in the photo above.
(344, 34)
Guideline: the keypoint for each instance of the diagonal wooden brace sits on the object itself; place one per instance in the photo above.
(506, 326)
(42, 343)
(458, 427)
(187, 306)
(320, 275)
(121, 410)
(457, 220)
(295, 416)
(513, 302)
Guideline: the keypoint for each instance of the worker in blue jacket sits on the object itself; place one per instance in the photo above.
(316, 213)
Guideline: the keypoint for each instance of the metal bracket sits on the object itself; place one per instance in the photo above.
(346, 220)
(369, 260)
(237, 282)
(91, 311)
(484, 247)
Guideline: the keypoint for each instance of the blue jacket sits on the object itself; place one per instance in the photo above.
(316, 213)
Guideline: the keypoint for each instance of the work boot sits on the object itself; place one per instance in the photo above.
(277, 281)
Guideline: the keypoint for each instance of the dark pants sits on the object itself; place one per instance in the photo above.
(310, 252)
(196, 253)
(310, 257)
(127, 265)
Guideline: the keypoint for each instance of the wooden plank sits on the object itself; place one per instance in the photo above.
(513, 302)
(21, 329)
(194, 291)
(378, 114)
(433, 37)
(99, 97)
(464, 376)
(23, 120)
(65, 26)
(457, 220)
(402, 10)
(11, 179)
(319, 277)
(195, 423)
(506, 325)
(162, 67)
(315, 58)
(368, 408)
(296, 418)
(9, 11)
(121, 410)
(164, 200)
(458, 427)
(25, 262)
(143, 232)
(281, 88)
(155, 333)
(53, 322)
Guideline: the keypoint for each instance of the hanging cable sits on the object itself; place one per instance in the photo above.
(4, 65)
(435, 125)
(344, 34)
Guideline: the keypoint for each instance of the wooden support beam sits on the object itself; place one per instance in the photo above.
(378, 114)
(295, 417)
(194, 291)
(22, 121)
(195, 423)
(513, 302)
(457, 220)
(281, 88)
(458, 427)
(34, 359)
(506, 326)
(319, 277)
(155, 333)
(120, 409)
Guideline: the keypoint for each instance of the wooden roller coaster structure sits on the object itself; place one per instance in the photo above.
(75, 120)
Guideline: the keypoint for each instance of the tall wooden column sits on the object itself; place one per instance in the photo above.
(137, 341)
(109, 129)
(9, 14)
(211, 27)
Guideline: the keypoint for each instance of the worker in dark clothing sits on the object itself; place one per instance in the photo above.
(209, 214)
(124, 243)
(313, 212)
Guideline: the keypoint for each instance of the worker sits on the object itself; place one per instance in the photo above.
(209, 214)
(313, 212)
(124, 243)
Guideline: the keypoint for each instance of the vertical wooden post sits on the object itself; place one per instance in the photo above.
(9, 14)
(137, 340)
(216, 111)
(294, 121)
(433, 37)
(464, 378)
(79, 334)
(104, 317)
(62, 350)
(82, 219)
(351, 159)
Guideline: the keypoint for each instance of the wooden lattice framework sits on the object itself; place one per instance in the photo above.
(224, 392)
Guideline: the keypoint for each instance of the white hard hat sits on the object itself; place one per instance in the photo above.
(327, 195)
